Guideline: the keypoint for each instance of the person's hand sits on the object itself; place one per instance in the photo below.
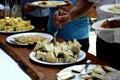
(67, 7)
(61, 19)
(28, 8)
(61, 16)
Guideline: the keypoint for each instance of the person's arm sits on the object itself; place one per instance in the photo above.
(80, 8)
(92, 13)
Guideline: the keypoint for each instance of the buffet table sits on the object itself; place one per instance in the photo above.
(37, 71)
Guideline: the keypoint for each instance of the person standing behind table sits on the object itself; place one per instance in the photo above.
(76, 29)
(37, 16)
(106, 48)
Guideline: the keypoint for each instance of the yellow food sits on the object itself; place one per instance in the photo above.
(66, 75)
(30, 39)
(50, 3)
(14, 24)
(114, 9)
(61, 52)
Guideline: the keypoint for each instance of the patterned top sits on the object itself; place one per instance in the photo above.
(77, 29)
(37, 12)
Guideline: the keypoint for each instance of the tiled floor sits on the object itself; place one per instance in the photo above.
(92, 48)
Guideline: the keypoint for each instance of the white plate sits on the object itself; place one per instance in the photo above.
(97, 25)
(9, 38)
(106, 8)
(48, 3)
(77, 75)
(18, 31)
(82, 55)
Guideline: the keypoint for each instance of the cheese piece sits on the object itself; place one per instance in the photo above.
(109, 68)
(97, 75)
(86, 77)
(40, 55)
(65, 75)
(77, 69)
(98, 69)
(68, 76)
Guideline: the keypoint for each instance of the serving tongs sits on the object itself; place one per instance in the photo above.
(55, 34)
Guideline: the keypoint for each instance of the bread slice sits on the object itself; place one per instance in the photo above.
(87, 77)
(96, 75)
(98, 69)
(66, 75)
(77, 69)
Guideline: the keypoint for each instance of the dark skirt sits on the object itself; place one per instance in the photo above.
(85, 44)
(109, 52)
(38, 22)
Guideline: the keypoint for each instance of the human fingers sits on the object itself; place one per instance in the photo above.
(67, 6)
(28, 8)
(55, 18)
(64, 17)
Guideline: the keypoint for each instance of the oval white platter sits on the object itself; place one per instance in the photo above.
(11, 37)
(106, 8)
(48, 3)
(97, 25)
(81, 56)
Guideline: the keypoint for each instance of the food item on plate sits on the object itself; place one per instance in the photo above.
(86, 77)
(99, 71)
(112, 76)
(58, 53)
(66, 75)
(111, 24)
(77, 69)
(28, 39)
(14, 24)
(43, 3)
(108, 69)
(114, 9)
(50, 3)
(95, 72)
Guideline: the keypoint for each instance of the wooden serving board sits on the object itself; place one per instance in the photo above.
(36, 71)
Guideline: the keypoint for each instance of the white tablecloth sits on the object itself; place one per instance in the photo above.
(9, 69)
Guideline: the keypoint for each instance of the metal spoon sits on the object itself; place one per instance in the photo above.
(84, 72)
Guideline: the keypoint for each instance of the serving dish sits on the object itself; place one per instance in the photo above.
(108, 7)
(48, 3)
(78, 76)
(97, 25)
(10, 38)
(81, 56)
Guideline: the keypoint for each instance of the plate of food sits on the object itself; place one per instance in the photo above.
(109, 24)
(59, 54)
(95, 72)
(15, 25)
(48, 3)
(30, 38)
(111, 8)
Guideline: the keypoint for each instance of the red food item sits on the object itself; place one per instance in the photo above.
(43, 3)
(111, 24)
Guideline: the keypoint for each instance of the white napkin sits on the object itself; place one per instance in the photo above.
(117, 36)
(9, 69)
